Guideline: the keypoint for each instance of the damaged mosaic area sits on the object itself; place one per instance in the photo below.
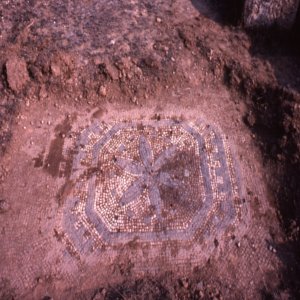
(153, 182)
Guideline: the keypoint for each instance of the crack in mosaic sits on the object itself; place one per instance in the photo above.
(153, 182)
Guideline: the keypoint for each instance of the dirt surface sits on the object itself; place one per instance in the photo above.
(65, 65)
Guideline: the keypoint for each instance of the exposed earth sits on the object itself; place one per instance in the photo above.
(149, 150)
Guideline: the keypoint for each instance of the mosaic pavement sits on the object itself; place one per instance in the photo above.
(152, 182)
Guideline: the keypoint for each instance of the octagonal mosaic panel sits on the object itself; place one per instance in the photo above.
(152, 182)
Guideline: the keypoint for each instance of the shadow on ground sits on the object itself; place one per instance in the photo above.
(224, 12)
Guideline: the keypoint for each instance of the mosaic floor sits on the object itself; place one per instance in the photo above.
(153, 182)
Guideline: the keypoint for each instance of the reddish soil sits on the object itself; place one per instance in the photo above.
(64, 64)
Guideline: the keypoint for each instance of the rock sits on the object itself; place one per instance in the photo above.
(262, 13)
(100, 295)
(102, 91)
(201, 294)
(55, 69)
(200, 285)
(272, 249)
(17, 74)
(40, 280)
(134, 100)
(250, 119)
(62, 66)
(112, 72)
(107, 69)
(185, 283)
(43, 92)
(4, 206)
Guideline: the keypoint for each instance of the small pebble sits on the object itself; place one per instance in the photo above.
(134, 100)
(199, 285)
(40, 280)
(4, 206)
(272, 249)
(103, 91)
(186, 173)
(99, 295)
(185, 283)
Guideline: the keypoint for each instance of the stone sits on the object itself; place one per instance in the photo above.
(272, 249)
(112, 71)
(261, 13)
(185, 283)
(200, 285)
(40, 280)
(98, 296)
(102, 91)
(17, 74)
(4, 206)
(250, 119)
(55, 70)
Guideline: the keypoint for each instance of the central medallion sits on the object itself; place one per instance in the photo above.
(150, 180)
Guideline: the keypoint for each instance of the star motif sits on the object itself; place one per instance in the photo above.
(148, 175)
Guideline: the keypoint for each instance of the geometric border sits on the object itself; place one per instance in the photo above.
(216, 161)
